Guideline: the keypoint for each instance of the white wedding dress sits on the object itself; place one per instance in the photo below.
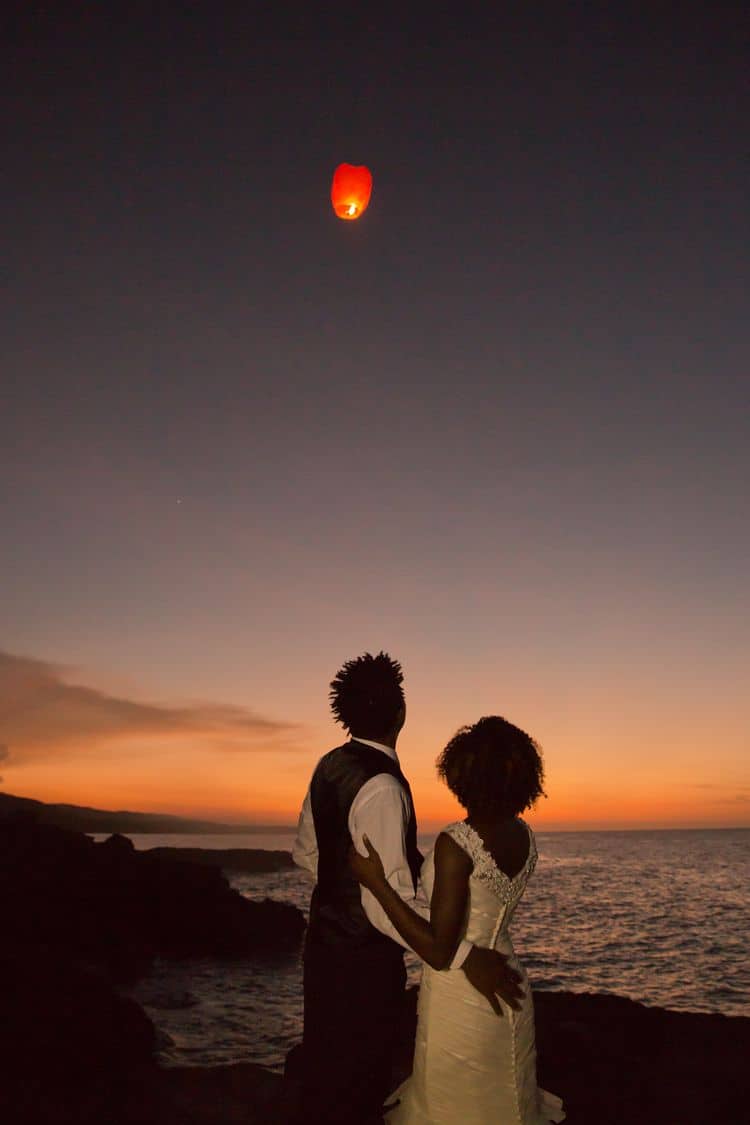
(472, 1067)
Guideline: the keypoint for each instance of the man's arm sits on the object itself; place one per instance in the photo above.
(381, 812)
(305, 849)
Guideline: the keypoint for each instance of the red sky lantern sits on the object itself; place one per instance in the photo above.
(350, 190)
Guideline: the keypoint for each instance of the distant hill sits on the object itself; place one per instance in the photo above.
(82, 819)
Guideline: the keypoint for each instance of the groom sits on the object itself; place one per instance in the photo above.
(354, 975)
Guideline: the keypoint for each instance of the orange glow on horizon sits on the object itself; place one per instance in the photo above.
(75, 744)
(259, 796)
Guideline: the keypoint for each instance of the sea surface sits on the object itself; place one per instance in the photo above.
(661, 917)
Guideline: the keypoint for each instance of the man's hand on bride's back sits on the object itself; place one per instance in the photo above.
(489, 972)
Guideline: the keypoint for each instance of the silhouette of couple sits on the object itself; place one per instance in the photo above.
(475, 1059)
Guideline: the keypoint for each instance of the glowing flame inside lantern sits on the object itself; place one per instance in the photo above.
(351, 190)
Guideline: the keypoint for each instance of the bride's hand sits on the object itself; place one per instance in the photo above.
(367, 869)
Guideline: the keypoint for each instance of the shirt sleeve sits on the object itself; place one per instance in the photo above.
(305, 849)
(381, 811)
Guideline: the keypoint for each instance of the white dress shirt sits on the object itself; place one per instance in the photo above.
(381, 812)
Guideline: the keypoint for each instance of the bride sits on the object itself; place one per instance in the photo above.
(469, 1065)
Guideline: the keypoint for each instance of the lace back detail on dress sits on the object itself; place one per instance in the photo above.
(485, 868)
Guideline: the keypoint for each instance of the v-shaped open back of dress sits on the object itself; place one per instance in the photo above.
(471, 1066)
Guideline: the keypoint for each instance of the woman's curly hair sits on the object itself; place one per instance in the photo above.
(366, 694)
(493, 768)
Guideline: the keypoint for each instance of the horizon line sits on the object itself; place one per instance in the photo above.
(276, 827)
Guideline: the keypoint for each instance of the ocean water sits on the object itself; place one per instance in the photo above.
(661, 917)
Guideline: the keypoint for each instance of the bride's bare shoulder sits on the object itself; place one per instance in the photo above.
(450, 852)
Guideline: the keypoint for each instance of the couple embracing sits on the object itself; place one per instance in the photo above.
(475, 1057)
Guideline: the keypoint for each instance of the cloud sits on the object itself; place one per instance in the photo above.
(42, 714)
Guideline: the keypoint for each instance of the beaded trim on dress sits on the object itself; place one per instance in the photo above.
(485, 868)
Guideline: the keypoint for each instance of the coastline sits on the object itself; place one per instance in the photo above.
(610, 1059)
(82, 918)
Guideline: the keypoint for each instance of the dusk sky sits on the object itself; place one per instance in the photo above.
(498, 426)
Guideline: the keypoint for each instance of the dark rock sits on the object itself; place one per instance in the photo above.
(610, 1059)
(68, 1014)
(614, 1060)
(118, 845)
(79, 916)
(114, 906)
(70, 1046)
(239, 1094)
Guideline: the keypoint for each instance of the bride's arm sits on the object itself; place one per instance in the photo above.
(435, 941)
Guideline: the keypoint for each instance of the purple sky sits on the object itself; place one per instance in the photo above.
(498, 426)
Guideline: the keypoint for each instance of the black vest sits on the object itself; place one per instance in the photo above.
(336, 914)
